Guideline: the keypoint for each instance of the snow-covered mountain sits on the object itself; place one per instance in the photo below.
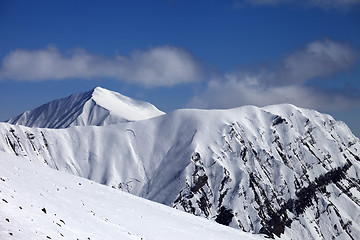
(96, 107)
(279, 170)
(40, 203)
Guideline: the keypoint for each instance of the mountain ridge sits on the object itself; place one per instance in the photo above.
(98, 107)
(268, 170)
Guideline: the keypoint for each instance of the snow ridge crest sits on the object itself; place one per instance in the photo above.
(98, 107)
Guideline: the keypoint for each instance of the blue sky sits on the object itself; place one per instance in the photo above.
(181, 54)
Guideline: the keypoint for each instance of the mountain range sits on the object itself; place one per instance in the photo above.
(96, 107)
(282, 171)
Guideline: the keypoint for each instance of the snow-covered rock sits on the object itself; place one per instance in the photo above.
(37, 202)
(279, 170)
(96, 107)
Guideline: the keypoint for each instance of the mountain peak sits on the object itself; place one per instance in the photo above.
(98, 106)
(101, 90)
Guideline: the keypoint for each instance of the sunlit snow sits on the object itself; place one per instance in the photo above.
(41, 203)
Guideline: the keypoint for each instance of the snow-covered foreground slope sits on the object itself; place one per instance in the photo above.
(280, 170)
(37, 202)
(96, 107)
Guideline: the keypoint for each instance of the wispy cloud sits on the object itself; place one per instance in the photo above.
(324, 4)
(317, 59)
(160, 66)
(287, 82)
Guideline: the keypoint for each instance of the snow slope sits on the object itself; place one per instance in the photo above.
(207, 162)
(279, 170)
(96, 107)
(37, 202)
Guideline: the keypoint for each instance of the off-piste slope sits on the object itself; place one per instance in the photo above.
(37, 202)
(96, 107)
(279, 170)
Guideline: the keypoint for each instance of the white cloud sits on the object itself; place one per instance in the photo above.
(317, 59)
(286, 83)
(229, 93)
(160, 66)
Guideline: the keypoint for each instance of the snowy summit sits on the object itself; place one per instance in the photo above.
(97, 107)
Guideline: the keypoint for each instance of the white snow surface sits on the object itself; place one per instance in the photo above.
(37, 202)
(96, 107)
(280, 170)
